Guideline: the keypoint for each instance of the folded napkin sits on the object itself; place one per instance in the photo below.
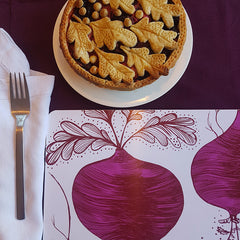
(12, 59)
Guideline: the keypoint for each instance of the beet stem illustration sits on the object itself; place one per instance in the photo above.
(66, 236)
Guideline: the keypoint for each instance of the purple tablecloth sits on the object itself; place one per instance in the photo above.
(212, 79)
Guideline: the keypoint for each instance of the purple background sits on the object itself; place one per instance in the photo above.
(212, 79)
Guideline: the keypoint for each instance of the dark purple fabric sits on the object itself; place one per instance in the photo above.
(212, 79)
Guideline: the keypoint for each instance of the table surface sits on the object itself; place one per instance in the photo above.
(211, 79)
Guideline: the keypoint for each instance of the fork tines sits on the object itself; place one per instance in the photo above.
(19, 88)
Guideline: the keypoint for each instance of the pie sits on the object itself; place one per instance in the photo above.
(122, 44)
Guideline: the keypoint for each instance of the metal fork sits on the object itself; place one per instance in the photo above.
(20, 109)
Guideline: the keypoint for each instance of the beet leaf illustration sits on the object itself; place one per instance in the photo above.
(167, 129)
(75, 139)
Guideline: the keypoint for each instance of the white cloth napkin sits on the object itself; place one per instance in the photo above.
(12, 59)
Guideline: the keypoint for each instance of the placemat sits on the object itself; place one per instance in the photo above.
(142, 174)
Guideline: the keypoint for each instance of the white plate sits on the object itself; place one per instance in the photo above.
(121, 99)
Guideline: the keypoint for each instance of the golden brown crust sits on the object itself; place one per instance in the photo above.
(125, 80)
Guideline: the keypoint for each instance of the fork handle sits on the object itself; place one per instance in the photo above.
(19, 174)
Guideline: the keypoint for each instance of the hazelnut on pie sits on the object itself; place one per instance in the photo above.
(122, 44)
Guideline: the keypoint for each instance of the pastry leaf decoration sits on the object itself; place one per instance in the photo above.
(143, 61)
(168, 128)
(109, 64)
(125, 5)
(161, 9)
(110, 32)
(78, 34)
(155, 35)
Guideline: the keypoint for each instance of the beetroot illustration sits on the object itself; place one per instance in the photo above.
(122, 197)
(125, 198)
(216, 175)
